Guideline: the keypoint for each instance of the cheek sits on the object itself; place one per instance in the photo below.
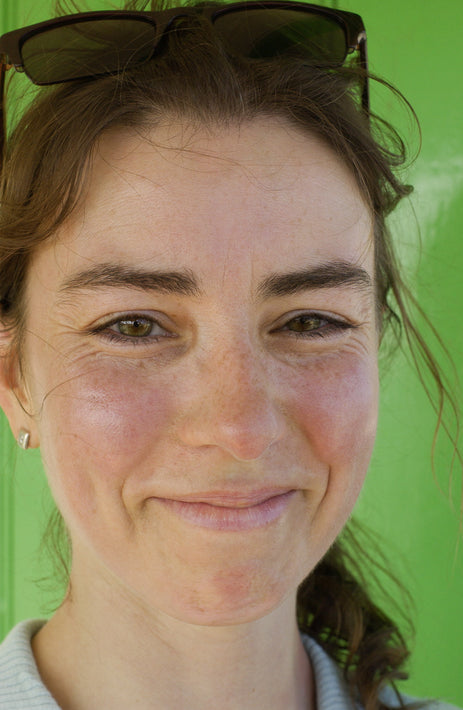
(98, 426)
(336, 407)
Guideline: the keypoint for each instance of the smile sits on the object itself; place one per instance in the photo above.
(230, 515)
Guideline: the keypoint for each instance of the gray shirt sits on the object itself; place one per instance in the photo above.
(21, 687)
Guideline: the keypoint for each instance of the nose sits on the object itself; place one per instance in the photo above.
(233, 406)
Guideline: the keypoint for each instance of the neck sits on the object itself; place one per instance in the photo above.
(102, 649)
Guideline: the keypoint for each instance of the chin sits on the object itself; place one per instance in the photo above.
(230, 599)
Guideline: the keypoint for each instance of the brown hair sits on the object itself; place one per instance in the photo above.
(46, 160)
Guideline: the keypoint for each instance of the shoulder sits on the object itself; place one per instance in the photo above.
(332, 693)
(20, 683)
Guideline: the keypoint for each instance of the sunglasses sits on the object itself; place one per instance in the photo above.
(91, 44)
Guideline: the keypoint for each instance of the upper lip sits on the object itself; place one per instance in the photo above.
(231, 499)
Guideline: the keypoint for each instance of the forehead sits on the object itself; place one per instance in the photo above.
(262, 193)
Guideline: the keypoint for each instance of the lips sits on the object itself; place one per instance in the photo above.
(230, 512)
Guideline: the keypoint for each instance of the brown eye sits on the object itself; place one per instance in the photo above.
(135, 327)
(305, 323)
(315, 325)
(130, 329)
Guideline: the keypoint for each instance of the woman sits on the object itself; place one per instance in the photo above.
(195, 274)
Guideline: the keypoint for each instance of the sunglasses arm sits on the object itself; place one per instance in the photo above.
(3, 68)
(362, 46)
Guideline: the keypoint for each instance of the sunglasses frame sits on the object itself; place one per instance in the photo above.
(12, 42)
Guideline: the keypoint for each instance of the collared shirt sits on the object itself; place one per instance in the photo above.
(21, 687)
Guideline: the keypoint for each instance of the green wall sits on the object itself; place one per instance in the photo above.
(417, 46)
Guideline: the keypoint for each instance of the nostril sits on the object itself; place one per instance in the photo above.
(245, 427)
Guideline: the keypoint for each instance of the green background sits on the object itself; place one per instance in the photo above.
(417, 45)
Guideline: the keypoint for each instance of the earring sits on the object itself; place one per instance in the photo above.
(24, 438)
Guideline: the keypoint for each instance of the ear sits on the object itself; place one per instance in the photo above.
(14, 399)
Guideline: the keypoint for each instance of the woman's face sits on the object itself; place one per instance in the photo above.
(201, 364)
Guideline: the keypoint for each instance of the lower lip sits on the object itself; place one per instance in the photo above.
(216, 517)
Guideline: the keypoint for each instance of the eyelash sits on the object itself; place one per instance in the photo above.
(330, 327)
(112, 336)
(333, 327)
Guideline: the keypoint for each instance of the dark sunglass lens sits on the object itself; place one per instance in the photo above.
(268, 32)
(83, 49)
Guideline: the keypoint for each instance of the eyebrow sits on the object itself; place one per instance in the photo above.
(333, 274)
(117, 276)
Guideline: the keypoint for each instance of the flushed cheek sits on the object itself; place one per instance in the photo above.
(336, 410)
(98, 428)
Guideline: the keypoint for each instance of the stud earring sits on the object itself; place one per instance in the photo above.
(24, 438)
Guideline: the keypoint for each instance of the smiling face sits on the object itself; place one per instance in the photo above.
(200, 359)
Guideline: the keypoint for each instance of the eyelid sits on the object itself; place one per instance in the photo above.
(103, 327)
(111, 319)
(328, 316)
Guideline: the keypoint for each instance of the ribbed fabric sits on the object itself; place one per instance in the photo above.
(22, 689)
(331, 691)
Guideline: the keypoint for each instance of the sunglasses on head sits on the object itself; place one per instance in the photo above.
(91, 44)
